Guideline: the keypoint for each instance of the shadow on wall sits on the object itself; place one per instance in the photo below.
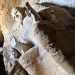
(63, 39)
(1, 39)
(2, 68)
(69, 9)
(68, 3)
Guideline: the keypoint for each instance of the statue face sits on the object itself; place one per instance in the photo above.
(16, 15)
(15, 54)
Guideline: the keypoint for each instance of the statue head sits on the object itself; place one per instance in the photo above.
(18, 13)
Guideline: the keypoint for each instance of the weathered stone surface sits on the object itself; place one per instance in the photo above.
(42, 43)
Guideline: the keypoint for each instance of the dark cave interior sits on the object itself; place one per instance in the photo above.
(2, 68)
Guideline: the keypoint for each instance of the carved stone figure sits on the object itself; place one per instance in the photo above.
(18, 14)
(36, 41)
(41, 32)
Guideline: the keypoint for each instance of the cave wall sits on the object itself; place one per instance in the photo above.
(6, 22)
(69, 3)
(6, 6)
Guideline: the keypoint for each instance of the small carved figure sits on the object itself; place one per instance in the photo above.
(15, 68)
(18, 13)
